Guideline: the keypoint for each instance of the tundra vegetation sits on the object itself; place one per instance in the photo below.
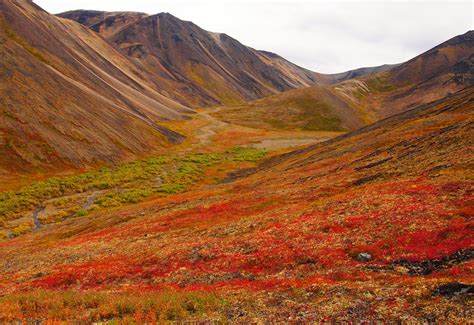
(374, 225)
(75, 196)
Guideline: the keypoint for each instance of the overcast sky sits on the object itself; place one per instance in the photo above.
(322, 35)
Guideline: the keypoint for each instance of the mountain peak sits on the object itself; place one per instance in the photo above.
(201, 68)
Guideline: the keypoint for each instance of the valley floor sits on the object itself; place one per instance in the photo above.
(213, 150)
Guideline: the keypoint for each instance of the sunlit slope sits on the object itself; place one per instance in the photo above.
(318, 108)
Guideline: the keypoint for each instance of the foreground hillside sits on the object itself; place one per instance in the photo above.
(373, 225)
(364, 99)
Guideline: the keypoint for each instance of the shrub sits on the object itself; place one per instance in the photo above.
(128, 183)
(80, 213)
(21, 229)
(246, 154)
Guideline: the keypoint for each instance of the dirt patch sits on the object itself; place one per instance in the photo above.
(277, 144)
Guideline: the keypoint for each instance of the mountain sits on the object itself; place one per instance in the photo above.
(434, 62)
(197, 67)
(350, 104)
(68, 99)
(123, 200)
(446, 68)
(352, 74)
(375, 224)
(105, 23)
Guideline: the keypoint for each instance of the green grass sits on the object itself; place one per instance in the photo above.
(81, 213)
(171, 188)
(379, 84)
(316, 115)
(319, 118)
(21, 229)
(128, 183)
(246, 154)
(307, 113)
(104, 178)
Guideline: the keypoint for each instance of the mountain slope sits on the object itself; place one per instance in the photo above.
(435, 61)
(353, 103)
(376, 224)
(105, 23)
(447, 68)
(318, 108)
(352, 74)
(67, 98)
(197, 67)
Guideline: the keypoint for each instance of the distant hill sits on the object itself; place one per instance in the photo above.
(350, 104)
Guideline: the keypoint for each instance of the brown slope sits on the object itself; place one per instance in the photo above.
(450, 80)
(198, 67)
(105, 23)
(69, 99)
(352, 74)
(447, 68)
(435, 61)
(318, 108)
(356, 102)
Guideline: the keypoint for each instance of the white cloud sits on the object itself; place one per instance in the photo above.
(322, 35)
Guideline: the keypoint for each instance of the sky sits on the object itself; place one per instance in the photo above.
(322, 35)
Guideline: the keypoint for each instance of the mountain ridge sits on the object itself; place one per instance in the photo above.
(350, 104)
(207, 56)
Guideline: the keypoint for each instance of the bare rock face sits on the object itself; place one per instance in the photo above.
(453, 289)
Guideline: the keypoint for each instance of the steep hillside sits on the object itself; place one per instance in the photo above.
(352, 103)
(434, 62)
(105, 23)
(376, 224)
(69, 99)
